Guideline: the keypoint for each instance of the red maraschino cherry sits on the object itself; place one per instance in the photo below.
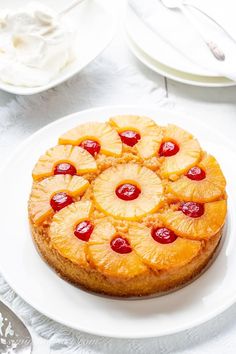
(60, 201)
(92, 146)
(192, 209)
(65, 168)
(121, 245)
(127, 191)
(130, 137)
(196, 174)
(83, 230)
(168, 148)
(163, 235)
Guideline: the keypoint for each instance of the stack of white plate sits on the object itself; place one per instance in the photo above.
(161, 57)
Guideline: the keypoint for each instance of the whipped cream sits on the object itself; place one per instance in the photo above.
(35, 44)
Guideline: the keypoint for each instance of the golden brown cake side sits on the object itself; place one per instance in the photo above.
(146, 284)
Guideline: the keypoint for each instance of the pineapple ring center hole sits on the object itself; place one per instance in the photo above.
(64, 168)
(128, 190)
(168, 148)
(83, 230)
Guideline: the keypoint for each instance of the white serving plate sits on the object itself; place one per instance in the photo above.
(164, 59)
(91, 40)
(170, 73)
(209, 295)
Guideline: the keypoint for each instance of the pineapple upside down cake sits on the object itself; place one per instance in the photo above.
(127, 207)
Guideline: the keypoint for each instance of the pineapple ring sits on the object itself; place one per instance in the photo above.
(188, 155)
(108, 262)
(162, 256)
(201, 228)
(62, 228)
(103, 133)
(39, 204)
(151, 133)
(148, 200)
(81, 159)
(209, 189)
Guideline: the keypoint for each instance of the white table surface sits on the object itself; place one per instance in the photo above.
(116, 77)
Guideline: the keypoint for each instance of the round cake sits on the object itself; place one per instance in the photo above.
(127, 207)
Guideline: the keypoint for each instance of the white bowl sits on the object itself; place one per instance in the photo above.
(91, 39)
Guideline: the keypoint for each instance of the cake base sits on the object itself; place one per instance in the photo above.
(146, 284)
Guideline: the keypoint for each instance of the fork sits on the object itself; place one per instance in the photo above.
(181, 6)
(188, 4)
(70, 7)
(14, 336)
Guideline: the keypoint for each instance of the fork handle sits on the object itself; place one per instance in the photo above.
(186, 3)
(216, 51)
(70, 7)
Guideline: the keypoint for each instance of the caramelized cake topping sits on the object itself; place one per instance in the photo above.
(148, 201)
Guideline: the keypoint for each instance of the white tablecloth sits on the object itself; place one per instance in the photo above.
(115, 78)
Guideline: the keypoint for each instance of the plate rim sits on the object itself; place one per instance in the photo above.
(134, 48)
(181, 328)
